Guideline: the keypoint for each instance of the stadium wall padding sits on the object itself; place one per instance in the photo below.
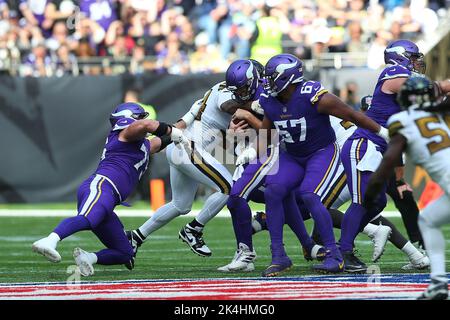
(53, 129)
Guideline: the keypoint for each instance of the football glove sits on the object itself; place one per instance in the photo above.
(256, 107)
(246, 156)
(384, 133)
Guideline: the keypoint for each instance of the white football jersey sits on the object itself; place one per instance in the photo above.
(428, 136)
(342, 129)
(211, 121)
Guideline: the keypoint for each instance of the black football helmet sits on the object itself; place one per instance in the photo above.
(259, 67)
(417, 92)
(366, 101)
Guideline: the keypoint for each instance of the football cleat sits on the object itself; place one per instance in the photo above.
(259, 222)
(82, 260)
(331, 264)
(242, 261)
(315, 252)
(352, 264)
(277, 267)
(419, 263)
(379, 239)
(194, 239)
(437, 290)
(44, 248)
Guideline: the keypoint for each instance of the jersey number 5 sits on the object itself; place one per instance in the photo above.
(426, 132)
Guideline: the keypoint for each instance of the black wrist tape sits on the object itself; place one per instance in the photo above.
(165, 141)
(161, 130)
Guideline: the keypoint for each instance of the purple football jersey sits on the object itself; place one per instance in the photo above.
(101, 11)
(383, 104)
(303, 129)
(37, 7)
(124, 162)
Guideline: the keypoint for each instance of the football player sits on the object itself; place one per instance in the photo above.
(204, 124)
(248, 178)
(422, 130)
(299, 110)
(363, 151)
(402, 195)
(124, 160)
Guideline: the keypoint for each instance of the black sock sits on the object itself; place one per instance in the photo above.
(337, 217)
(194, 224)
(408, 210)
(396, 237)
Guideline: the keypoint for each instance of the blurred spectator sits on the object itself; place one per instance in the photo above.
(38, 63)
(161, 35)
(243, 29)
(66, 62)
(101, 11)
(355, 43)
(34, 12)
(171, 59)
(60, 36)
(59, 10)
(268, 37)
(375, 55)
(206, 59)
(349, 94)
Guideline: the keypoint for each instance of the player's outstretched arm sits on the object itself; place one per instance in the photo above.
(332, 105)
(186, 120)
(140, 128)
(391, 159)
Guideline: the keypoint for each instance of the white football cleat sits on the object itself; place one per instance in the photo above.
(242, 261)
(379, 239)
(44, 247)
(83, 262)
(420, 263)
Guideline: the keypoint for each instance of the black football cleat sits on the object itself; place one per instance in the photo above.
(352, 264)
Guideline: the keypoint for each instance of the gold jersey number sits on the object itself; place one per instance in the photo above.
(426, 132)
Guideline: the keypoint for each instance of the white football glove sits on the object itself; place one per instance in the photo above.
(384, 133)
(246, 156)
(177, 136)
(256, 107)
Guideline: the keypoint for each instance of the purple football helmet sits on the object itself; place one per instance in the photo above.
(405, 53)
(242, 79)
(282, 70)
(130, 110)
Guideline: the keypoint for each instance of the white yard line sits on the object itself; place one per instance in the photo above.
(120, 213)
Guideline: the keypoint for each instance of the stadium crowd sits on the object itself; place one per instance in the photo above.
(57, 37)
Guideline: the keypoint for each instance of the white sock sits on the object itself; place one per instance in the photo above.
(411, 251)
(435, 244)
(370, 229)
(53, 239)
(161, 217)
(212, 207)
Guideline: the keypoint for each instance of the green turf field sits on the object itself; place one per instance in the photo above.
(163, 256)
